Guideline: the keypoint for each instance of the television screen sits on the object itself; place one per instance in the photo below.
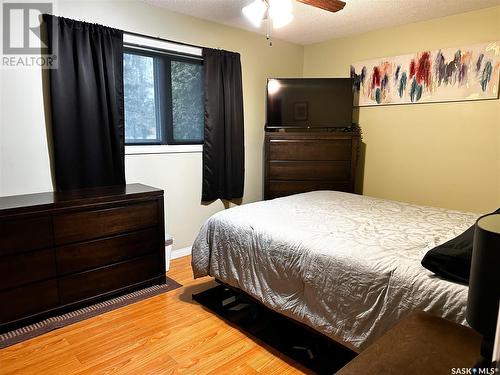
(309, 103)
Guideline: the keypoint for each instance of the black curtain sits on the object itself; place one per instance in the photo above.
(223, 148)
(86, 96)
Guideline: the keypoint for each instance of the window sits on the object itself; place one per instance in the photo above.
(164, 101)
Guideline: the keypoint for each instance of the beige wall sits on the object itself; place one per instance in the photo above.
(443, 154)
(23, 146)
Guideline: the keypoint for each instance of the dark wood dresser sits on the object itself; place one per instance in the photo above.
(301, 162)
(65, 249)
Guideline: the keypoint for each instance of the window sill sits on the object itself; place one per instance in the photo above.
(162, 149)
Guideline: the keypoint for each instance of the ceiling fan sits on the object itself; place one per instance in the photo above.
(278, 13)
(329, 5)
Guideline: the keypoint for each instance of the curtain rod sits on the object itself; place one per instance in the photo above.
(173, 41)
(162, 39)
(139, 34)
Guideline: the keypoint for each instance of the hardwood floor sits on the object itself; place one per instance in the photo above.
(166, 334)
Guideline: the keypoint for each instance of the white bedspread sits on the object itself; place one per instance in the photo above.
(344, 264)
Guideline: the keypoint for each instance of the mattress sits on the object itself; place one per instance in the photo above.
(346, 265)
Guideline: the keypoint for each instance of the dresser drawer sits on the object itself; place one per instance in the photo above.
(87, 225)
(107, 279)
(302, 170)
(23, 235)
(284, 188)
(97, 253)
(25, 301)
(16, 270)
(334, 149)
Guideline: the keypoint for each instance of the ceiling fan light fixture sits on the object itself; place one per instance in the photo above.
(255, 12)
(280, 12)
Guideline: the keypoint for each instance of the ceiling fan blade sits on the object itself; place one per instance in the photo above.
(329, 5)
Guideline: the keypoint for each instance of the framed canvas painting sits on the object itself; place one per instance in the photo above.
(443, 75)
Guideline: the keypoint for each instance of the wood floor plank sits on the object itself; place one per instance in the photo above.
(46, 361)
(165, 334)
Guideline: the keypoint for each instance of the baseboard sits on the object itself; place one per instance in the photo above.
(179, 253)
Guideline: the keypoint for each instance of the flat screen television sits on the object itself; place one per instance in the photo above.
(309, 103)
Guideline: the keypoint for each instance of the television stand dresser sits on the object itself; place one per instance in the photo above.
(63, 250)
(298, 162)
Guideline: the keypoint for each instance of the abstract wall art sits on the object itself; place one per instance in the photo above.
(451, 74)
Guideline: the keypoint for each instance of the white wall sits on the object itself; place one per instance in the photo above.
(24, 158)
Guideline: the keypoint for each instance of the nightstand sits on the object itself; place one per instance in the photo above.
(419, 344)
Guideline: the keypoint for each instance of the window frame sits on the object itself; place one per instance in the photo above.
(170, 129)
(162, 60)
(159, 120)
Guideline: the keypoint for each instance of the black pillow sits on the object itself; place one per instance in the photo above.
(452, 259)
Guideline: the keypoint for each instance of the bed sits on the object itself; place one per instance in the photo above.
(346, 265)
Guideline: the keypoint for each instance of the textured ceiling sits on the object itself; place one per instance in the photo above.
(312, 25)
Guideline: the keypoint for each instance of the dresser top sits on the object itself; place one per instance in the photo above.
(314, 135)
(20, 203)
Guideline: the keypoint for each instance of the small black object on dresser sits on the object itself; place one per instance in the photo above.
(298, 162)
(63, 250)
